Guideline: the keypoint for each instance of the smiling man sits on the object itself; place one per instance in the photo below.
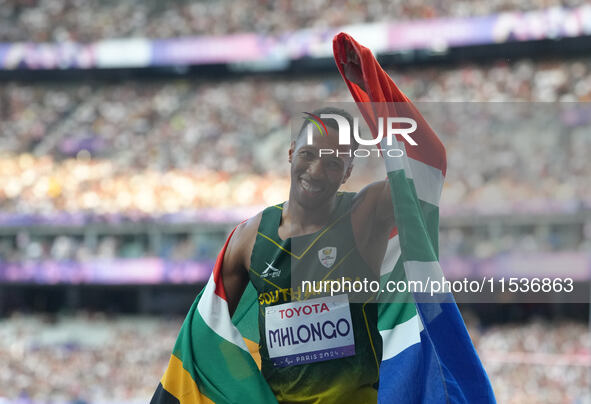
(323, 348)
(315, 349)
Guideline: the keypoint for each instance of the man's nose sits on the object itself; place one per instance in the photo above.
(315, 169)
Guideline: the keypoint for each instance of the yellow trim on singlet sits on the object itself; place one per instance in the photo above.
(375, 355)
(265, 279)
(277, 244)
(311, 243)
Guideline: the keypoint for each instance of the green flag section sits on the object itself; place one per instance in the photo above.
(211, 361)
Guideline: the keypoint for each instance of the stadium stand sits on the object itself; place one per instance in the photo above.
(83, 21)
(78, 357)
(103, 176)
(162, 136)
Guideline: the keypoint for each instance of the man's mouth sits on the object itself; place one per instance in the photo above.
(310, 187)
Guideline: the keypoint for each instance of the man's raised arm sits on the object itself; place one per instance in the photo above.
(376, 197)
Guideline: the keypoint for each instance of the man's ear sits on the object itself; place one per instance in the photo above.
(290, 152)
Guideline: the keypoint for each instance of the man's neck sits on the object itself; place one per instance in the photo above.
(298, 220)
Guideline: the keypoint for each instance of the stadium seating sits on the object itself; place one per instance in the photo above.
(61, 358)
(84, 21)
(92, 147)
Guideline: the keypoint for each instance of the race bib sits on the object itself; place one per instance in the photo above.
(309, 331)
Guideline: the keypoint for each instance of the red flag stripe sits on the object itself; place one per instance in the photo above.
(217, 270)
(381, 89)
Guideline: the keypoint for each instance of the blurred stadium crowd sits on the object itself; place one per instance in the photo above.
(87, 357)
(86, 21)
(96, 358)
(71, 248)
(455, 242)
(156, 148)
(534, 362)
(142, 150)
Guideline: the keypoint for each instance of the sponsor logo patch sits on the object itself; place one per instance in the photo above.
(271, 271)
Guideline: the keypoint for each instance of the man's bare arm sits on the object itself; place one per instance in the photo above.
(375, 204)
(375, 198)
(373, 219)
(237, 261)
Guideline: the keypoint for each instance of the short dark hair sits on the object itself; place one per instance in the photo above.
(331, 122)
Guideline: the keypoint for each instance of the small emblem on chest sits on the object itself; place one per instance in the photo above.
(271, 271)
(327, 256)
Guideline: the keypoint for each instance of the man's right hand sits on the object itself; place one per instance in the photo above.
(352, 67)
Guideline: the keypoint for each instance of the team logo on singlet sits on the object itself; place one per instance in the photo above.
(271, 271)
(327, 256)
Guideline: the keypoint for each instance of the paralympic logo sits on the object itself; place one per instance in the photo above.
(391, 125)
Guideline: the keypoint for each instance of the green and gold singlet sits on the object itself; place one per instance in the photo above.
(350, 379)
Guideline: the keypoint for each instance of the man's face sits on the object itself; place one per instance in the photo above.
(314, 179)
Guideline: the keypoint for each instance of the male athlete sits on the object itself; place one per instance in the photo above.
(317, 230)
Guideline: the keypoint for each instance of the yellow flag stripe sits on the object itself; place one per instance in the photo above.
(253, 348)
(178, 382)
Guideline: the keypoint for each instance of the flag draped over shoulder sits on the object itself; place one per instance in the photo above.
(215, 359)
(428, 355)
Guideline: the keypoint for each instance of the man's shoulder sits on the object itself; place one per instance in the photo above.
(369, 194)
(249, 227)
(243, 239)
(347, 194)
(347, 197)
(368, 202)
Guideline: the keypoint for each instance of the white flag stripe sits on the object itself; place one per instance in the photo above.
(401, 337)
(405, 158)
(392, 255)
(392, 163)
(425, 273)
(214, 311)
(428, 180)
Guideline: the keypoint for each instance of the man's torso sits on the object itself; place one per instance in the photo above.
(314, 375)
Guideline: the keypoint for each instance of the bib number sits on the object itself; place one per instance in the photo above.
(309, 331)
